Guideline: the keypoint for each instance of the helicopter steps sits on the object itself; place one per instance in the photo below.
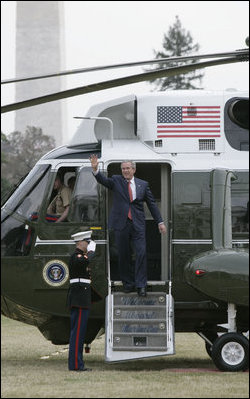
(139, 327)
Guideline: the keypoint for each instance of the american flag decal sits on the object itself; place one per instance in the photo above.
(188, 121)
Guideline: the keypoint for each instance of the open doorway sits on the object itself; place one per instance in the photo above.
(158, 176)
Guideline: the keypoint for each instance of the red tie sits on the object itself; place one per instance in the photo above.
(131, 199)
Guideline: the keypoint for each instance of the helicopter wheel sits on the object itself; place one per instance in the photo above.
(230, 352)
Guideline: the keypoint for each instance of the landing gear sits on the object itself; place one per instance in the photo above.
(212, 336)
(209, 337)
(230, 352)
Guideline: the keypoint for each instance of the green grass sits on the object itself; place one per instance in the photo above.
(25, 374)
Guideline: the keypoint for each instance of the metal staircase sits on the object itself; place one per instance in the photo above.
(138, 327)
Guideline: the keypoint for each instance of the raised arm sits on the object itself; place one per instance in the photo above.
(107, 182)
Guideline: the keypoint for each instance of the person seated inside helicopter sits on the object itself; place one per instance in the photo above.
(71, 183)
(59, 207)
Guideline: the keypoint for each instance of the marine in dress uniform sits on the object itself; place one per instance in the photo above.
(79, 297)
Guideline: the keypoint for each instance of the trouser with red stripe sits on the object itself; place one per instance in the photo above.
(78, 324)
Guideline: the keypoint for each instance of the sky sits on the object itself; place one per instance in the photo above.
(110, 32)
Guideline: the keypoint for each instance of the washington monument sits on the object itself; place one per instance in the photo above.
(40, 50)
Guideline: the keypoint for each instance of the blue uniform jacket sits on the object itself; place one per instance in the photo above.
(79, 294)
(121, 202)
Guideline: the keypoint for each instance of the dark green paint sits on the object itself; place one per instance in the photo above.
(225, 275)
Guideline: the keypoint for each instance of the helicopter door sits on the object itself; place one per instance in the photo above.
(138, 327)
(158, 246)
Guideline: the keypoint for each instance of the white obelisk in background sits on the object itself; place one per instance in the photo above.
(40, 50)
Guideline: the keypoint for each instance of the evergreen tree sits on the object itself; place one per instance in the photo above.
(177, 42)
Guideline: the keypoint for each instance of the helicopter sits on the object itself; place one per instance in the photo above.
(192, 147)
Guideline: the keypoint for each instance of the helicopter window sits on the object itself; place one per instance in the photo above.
(8, 194)
(85, 198)
(240, 207)
(13, 236)
(237, 123)
(192, 216)
(28, 196)
(21, 211)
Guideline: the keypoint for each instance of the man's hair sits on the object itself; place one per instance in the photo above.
(133, 164)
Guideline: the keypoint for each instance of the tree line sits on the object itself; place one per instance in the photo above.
(19, 153)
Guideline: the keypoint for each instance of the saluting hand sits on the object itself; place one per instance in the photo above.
(94, 162)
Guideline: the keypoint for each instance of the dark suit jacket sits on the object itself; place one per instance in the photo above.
(121, 202)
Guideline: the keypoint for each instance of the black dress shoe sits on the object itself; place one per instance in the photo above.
(85, 369)
(142, 291)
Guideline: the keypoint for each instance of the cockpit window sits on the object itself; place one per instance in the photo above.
(29, 194)
(20, 213)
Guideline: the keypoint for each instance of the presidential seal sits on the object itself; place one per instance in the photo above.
(55, 272)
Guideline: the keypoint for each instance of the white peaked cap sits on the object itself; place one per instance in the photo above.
(83, 235)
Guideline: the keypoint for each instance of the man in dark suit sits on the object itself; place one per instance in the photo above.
(127, 219)
(79, 297)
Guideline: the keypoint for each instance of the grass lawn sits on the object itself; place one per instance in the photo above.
(34, 368)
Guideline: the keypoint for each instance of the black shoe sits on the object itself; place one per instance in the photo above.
(85, 369)
(142, 291)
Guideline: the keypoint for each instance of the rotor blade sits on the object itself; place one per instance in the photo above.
(129, 64)
(115, 83)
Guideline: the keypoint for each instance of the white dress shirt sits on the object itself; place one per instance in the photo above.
(133, 188)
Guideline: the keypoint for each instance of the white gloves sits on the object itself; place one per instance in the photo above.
(91, 246)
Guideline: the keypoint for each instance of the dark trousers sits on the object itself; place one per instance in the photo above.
(78, 325)
(124, 238)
